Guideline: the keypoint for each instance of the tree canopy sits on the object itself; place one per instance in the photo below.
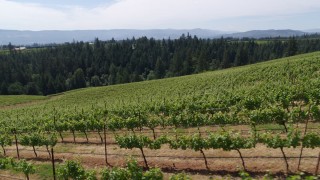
(54, 69)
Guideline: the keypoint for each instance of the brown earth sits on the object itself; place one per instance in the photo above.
(258, 160)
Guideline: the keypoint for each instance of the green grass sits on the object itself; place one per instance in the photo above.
(18, 99)
(44, 170)
(4, 51)
(270, 127)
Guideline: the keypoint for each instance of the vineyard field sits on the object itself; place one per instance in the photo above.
(247, 79)
(260, 118)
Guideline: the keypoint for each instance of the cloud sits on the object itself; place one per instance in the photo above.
(142, 14)
(24, 16)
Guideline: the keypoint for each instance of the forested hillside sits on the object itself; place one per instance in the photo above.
(75, 65)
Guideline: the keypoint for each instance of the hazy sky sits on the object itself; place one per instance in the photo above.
(231, 15)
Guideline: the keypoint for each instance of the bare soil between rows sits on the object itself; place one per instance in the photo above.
(259, 160)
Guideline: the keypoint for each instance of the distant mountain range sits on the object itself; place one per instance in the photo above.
(267, 33)
(54, 36)
(312, 31)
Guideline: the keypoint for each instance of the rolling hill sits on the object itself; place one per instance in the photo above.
(267, 33)
(219, 112)
(245, 81)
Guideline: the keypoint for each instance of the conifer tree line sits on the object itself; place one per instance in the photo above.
(76, 65)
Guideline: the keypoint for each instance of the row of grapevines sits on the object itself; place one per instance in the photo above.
(225, 140)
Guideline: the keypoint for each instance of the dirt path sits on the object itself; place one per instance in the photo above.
(258, 160)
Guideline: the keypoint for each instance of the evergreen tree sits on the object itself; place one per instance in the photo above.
(292, 47)
(32, 89)
(159, 69)
(15, 88)
(79, 80)
(4, 89)
(112, 74)
(56, 68)
(226, 63)
(95, 81)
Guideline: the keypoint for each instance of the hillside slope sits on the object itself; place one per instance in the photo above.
(302, 71)
(217, 112)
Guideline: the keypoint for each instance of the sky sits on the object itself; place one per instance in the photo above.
(225, 15)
